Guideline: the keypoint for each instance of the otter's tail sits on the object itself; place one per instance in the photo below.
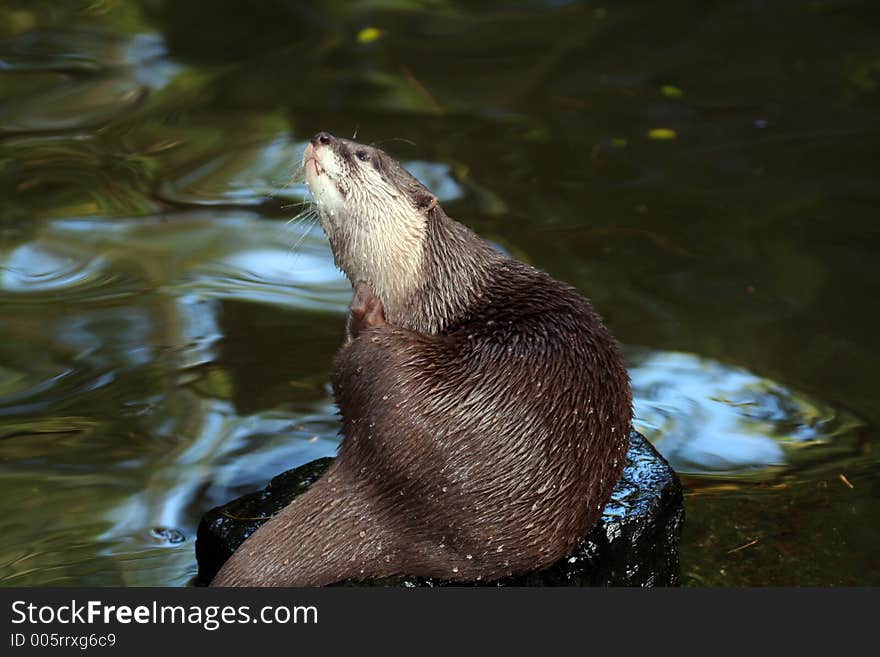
(327, 534)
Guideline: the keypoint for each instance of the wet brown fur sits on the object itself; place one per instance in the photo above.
(485, 424)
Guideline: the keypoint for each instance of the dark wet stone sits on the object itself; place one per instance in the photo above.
(634, 544)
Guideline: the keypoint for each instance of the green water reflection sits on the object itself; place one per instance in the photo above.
(705, 173)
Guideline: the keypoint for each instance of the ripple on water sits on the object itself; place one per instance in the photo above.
(167, 535)
(278, 276)
(70, 104)
(54, 364)
(69, 176)
(77, 50)
(34, 270)
(275, 264)
(244, 176)
(211, 254)
(222, 454)
(714, 419)
(80, 51)
(113, 74)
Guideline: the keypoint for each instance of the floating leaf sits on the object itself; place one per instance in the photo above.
(671, 91)
(369, 34)
(618, 142)
(662, 133)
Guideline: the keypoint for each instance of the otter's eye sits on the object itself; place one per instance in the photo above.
(363, 156)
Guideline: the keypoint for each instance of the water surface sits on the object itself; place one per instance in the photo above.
(706, 174)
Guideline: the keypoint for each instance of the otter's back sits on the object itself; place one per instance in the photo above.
(505, 419)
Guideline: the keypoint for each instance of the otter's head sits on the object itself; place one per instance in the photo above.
(374, 212)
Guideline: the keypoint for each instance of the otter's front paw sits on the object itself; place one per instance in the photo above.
(365, 311)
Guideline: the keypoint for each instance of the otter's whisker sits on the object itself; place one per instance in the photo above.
(297, 204)
(305, 233)
(306, 213)
(297, 175)
(385, 141)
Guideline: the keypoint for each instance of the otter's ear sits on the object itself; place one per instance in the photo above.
(425, 201)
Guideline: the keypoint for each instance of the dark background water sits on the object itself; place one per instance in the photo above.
(705, 172)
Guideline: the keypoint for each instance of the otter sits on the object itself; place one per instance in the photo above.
(485, 408)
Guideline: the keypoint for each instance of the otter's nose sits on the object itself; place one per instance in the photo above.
(322, 139)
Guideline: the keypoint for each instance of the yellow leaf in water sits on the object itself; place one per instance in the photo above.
(662, 133)
(618, 142)
(671, 91)
(369, 34)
